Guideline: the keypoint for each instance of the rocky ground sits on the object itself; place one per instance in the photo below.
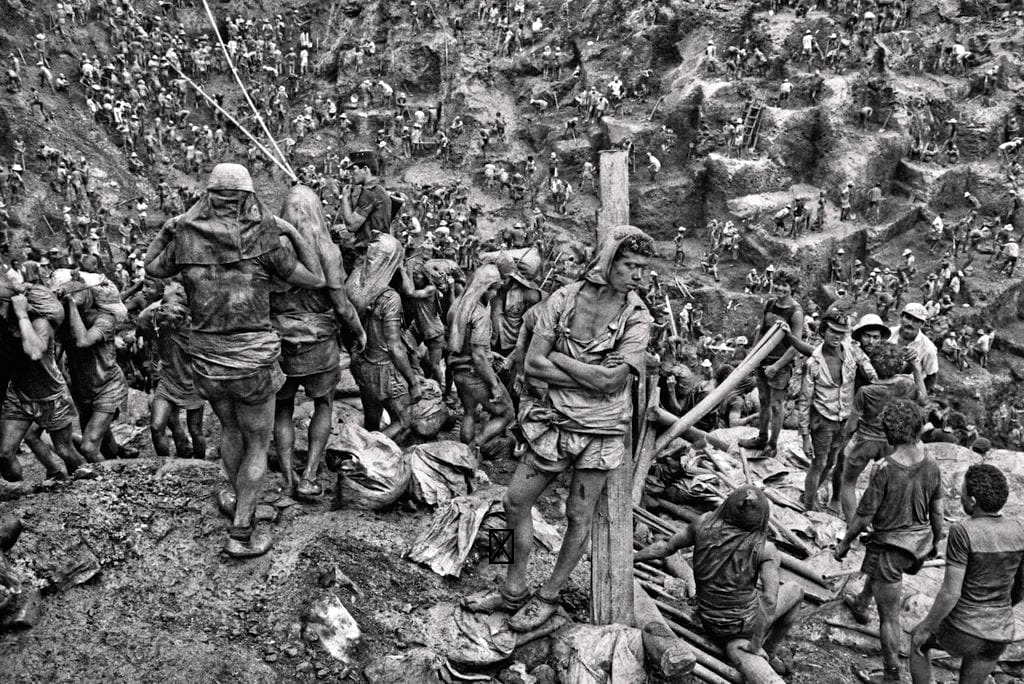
(166, 607)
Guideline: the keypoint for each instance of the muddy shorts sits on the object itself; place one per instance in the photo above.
(779, 382)
(826, 438)
(49, 414)
(885, 563)
(252, 389)
(725, 628)
(960, 644)
(554, 449)
(860, 452)
(469, 383)
(316, 385)
(109, 399)
(177, 397)
(309, 358)
(380, 382)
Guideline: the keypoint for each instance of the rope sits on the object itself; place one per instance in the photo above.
(245, 92)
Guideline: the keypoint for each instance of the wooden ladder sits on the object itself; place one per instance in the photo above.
(752, 124)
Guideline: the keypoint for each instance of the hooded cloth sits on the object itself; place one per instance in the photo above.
(483, 278)
(599, 269)
(374, 273)
(203, 236)
(305, 317)
(727, 556)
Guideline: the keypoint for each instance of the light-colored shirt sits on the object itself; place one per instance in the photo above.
(831, 397)
(924, 349)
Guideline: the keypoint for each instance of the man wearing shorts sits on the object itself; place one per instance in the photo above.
(972, 617)
(36, 391)
(167, 323)
(776, 369)
(826, 395)
(307, 321)
(903, 506)
(590, 338)
(227, 248)
(98, 385)
(868, 443)
(383, 370)
(471, 361)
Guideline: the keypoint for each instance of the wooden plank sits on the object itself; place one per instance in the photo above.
(614, 177)
(611, 534)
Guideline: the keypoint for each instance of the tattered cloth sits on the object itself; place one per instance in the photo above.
(202, 237)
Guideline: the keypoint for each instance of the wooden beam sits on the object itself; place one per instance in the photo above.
(614, 177)
(611, 535)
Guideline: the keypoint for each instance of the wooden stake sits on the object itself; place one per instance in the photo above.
(611, 536)
(754, 357)
(673, 655)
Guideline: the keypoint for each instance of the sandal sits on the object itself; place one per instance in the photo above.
(257, 545)
(876, 676)
(226, 505)
(495, 599)
(857, 609)
(535, 613)
(308, 489)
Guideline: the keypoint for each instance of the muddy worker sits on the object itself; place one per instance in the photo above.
(825, 399)
(903, 506)
(167, 323)
(867, 443)
(469, 345)
(590, 339)
(731, 555)
(775, 371)
(309, 322)
(227, 247)
(383, 371)
(972, 616)
(844, 202)
(98, 385)
(36, 390)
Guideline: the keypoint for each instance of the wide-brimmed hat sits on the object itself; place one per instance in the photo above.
(836, 321)
(871, 322)
(915, 310)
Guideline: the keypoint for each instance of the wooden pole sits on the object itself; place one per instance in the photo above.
(642, 463)
(614, 177)
(611, 535)
(716, 396)
(673, 655)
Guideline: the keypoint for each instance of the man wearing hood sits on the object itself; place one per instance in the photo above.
(308, 322)
(731, 553)
(382, 370)
(227, 248)
(590, 338)
(469, 345)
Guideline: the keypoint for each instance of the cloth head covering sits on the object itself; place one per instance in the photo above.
(483, 278)
(745, 508)
(246, 230)
(373, 274)
(598, 269)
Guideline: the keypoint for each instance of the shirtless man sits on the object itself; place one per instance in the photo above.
(590, 339)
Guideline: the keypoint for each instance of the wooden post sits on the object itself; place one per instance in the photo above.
(673, 655)
(614, 176)
(611, 536)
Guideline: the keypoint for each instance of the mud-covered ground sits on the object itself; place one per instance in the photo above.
(167, 607)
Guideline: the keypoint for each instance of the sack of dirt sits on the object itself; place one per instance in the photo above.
(429, 414)
(375, 473)
(440, 471)
(527, 260)
(328, 621)
(599, 654)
